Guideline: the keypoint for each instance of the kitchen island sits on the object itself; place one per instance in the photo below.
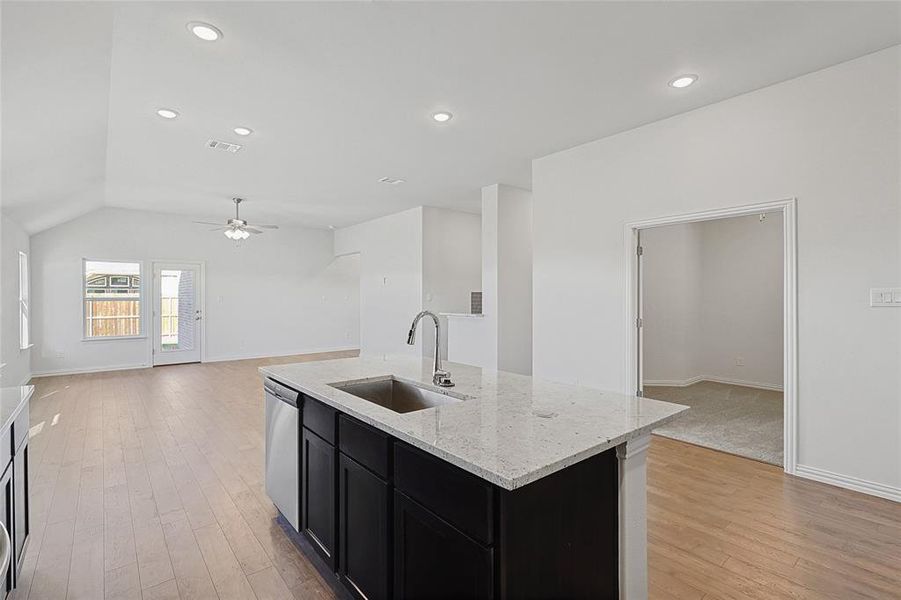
(14, 495)
(503, 486)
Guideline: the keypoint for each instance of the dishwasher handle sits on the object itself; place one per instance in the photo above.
(281, 392)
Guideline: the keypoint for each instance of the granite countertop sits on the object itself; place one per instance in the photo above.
(12, 400)
(467, 315)
(512, 431)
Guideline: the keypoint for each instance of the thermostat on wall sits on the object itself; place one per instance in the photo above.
(885, 297)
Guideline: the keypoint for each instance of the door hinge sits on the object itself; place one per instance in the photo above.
(640, 250)
(638, 322)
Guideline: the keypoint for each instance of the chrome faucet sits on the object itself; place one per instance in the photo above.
(440, 377)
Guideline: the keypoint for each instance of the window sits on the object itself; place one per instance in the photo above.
(112, 299)
(24, 337)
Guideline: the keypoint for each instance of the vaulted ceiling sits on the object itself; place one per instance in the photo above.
(341, 94)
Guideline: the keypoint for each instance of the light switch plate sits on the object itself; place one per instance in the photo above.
(885, 297)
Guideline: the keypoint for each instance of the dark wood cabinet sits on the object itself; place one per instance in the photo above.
(318, 494)
(363, 524)
(434, 560)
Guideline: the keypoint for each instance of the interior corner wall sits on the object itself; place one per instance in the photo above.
(275, 294)
(17, 362)
(391, 282)
(713, 299)
(829, 139)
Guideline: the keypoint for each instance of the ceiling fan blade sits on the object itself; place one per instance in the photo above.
(207, 223)
(252, 230)
(266, 226)
(220, 228)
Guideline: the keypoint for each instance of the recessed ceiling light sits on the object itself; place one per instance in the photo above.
(392, 181)
(167, 113)
(442, 116)
(204, 31)
(243, 130)
(683, 81)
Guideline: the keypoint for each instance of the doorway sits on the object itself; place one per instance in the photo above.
(728, 409)
(177, 313)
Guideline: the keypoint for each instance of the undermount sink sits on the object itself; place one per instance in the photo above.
(399, 396)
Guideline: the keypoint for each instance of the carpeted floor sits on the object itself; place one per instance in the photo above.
(735, 419)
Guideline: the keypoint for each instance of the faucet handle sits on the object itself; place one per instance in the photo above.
(442, 379)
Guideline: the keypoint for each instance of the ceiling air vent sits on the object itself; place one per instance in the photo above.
(226, 146)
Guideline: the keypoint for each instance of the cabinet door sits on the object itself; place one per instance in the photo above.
(21, 508)
(434, 560)
(318, 495)
(6, 516)
(363, 523)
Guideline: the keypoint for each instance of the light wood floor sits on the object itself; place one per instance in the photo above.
(149, 484)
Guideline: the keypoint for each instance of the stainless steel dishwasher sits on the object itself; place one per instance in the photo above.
(283, 406)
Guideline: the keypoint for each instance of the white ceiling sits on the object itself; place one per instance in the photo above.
(340, 94)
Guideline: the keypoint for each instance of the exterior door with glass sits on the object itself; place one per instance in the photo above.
(177, 313)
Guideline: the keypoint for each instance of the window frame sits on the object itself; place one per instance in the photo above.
(142, 313)
(24, 302)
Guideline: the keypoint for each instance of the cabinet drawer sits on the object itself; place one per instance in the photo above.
(20, 428)
(365, 444)
(319, 418)
(460, 498)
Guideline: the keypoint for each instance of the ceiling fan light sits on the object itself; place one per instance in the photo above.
(243, 234)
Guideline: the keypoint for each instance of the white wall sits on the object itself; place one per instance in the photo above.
(831, 140)
(712, 296)
(390, 250)
(13, 239)
(451, 267)
(276, 294)
(742, 302)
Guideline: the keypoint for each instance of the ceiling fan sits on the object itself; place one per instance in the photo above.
(237, 229)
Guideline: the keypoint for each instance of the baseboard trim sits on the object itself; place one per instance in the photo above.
(270, 355)
(711, 378)
(850, 483)
(673, 382)
(86, 370)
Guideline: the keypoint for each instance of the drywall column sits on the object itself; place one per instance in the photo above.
(507, 277)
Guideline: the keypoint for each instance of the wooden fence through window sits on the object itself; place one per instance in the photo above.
(106, 318)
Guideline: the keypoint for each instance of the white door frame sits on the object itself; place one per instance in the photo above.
(788, 208)
(193, 263)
